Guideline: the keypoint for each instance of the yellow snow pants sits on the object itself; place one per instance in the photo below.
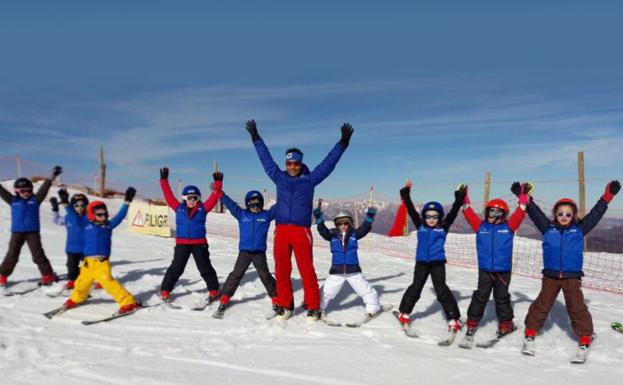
(95, 269)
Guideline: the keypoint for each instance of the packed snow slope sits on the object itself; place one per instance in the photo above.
(160, 345)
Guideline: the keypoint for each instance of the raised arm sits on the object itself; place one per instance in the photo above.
(232, 206)
(166, 189)
(517, 217)
(123, 211)
(270, 167)
(216, 194)
(591, 219)
(117, 219)
(324, 231)
(324, 169)
(535, 213)
(272, 212)
(366, 226)
(413, 214)
(322, 228)
(47, 183)
(43, 190)
(5, 194)
(452, 214)
(538, 217)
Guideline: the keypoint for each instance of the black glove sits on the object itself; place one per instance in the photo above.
(64, 195)
(164, 173)
(615, 187)
(252, 128)
(56, 171)
(516, 188)
(129, 194)
(54, 203)
(370, 214)
(218, 176)
(317, 213)
(405, 191)
(347, 132)
(460, 193)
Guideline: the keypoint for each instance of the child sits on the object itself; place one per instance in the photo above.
(431, 257)
(494, 244)
(97, 250)
(75, 221)
(345, 262)
(563, 255)
(253, 223)
(25, 227)
(190, 217)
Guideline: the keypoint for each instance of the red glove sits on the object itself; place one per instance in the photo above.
(612, 189)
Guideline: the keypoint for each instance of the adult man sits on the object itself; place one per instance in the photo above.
(295, 194)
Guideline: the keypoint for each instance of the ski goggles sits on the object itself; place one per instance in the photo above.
(100, 214)
(562, 214)
(495, 213)
(192, 198)
(254, 205)
(431, 216)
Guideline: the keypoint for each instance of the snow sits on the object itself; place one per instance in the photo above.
(160, 345)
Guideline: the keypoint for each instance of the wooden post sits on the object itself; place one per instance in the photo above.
(487, 187)
(582, 192)
(581, 185)
(102, 175)
(18, 163)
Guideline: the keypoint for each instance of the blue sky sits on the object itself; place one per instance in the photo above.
(439, 92)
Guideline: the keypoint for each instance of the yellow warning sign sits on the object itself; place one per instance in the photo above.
(148, 219)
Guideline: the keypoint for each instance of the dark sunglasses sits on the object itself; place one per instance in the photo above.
(431, 216)
(192, 198)
(79, 205)
(342, 223)
(255, 205)
(293, 164)
(23, 190)
(561, 214)
(101, 214)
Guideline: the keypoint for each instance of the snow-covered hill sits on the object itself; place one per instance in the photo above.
(164, 346)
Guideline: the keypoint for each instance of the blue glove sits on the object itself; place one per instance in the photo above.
(318, 215)
(370, 214)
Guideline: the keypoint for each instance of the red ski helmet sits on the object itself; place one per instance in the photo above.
(91, 209)
(568, 202)
(497, 204)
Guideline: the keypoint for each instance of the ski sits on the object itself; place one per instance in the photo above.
(498, 336)
(10, 293)
(114, 316)
(581, 354)
(204, 303)
(331, 322)
(406, 328)
(219, 313)
(617, 326)
(528, 347)
(468, 340)
(57, 311)
(369, 317)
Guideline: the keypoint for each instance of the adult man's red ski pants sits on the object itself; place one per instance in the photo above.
(290, 238)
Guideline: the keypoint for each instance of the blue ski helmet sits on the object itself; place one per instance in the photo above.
(433, 206)
(191, 190)
(251, 195)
